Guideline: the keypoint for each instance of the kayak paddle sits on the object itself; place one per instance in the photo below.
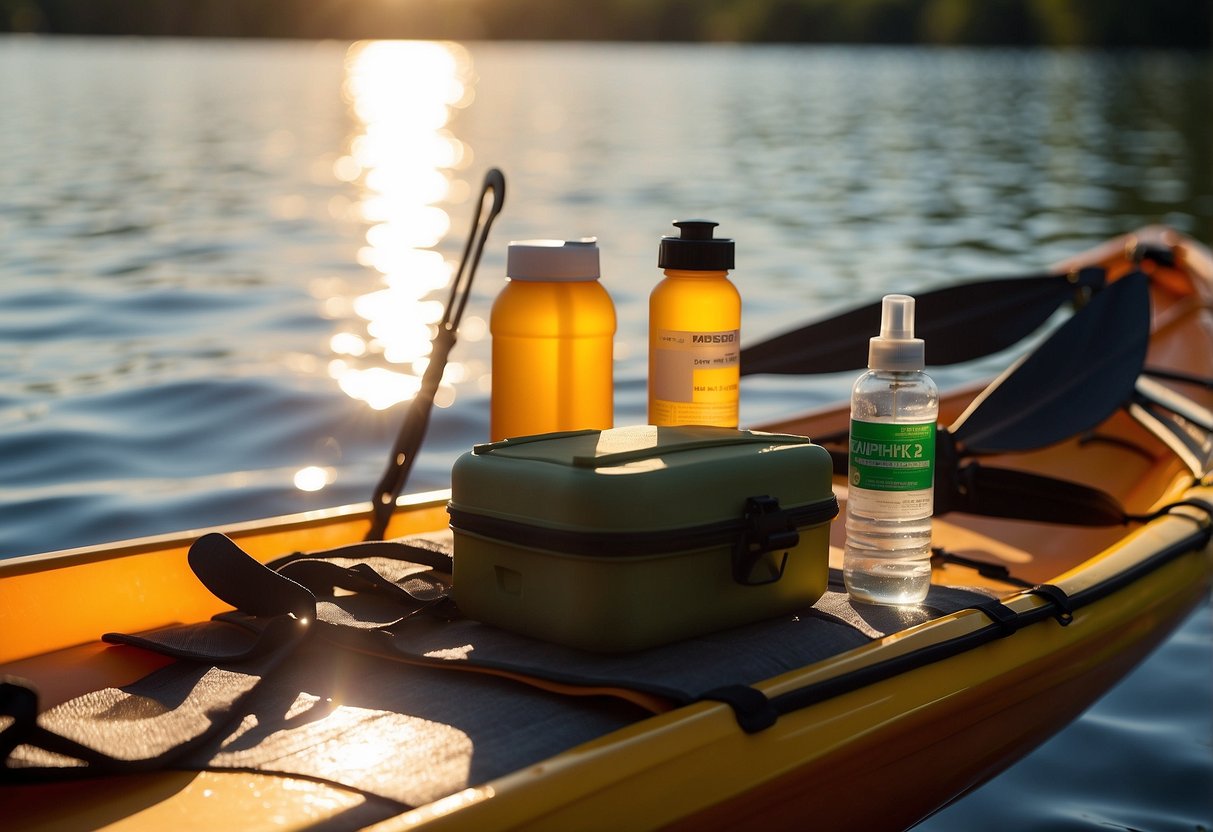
(958, 323)
(1074, 380)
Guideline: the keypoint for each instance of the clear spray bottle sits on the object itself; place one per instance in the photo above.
(894, 408)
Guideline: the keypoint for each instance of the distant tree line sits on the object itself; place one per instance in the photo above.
(1180, 24)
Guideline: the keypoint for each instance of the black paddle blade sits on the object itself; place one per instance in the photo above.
(1073, 381)
(959, 323)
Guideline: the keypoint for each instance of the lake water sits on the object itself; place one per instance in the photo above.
(219, 261)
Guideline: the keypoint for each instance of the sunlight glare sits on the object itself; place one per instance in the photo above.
(348, 343)
(380, 388)
(403, 159)
(409, 229)
(313, 478)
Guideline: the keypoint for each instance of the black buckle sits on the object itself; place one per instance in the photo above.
(767, 529)
(1161, 254)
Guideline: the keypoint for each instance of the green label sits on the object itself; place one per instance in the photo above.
(892, 457)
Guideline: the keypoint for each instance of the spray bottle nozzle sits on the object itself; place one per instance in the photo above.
(897, 317)
(896, 348)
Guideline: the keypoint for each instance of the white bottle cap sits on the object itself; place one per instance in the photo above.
(553, 259)
(896, 348)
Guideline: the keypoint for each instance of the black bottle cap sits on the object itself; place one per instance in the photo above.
(695, 249)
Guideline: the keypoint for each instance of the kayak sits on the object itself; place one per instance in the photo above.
(1057, 603)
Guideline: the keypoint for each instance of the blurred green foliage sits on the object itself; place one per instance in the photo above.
(1181, 24)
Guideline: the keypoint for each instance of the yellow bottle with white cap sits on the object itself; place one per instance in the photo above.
(553, 328)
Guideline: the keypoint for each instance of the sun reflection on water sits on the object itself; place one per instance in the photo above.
(313, 478)
(405, 162)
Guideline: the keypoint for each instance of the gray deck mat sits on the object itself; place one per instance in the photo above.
(687, 669)
(412, 734)
(408, 734)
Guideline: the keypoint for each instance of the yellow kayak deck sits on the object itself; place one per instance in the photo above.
(926, 736)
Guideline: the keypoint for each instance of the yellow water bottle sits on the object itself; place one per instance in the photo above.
(553, 328)
(694, 331)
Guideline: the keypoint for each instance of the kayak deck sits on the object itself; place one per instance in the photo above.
(927, 733)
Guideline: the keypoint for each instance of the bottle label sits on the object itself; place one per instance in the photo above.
(695, 377)
(892, 457)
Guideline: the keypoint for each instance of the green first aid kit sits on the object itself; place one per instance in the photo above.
(628, 538)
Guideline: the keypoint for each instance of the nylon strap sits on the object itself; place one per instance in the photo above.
(754, 712)
(1059, 599)
(1006, 619)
